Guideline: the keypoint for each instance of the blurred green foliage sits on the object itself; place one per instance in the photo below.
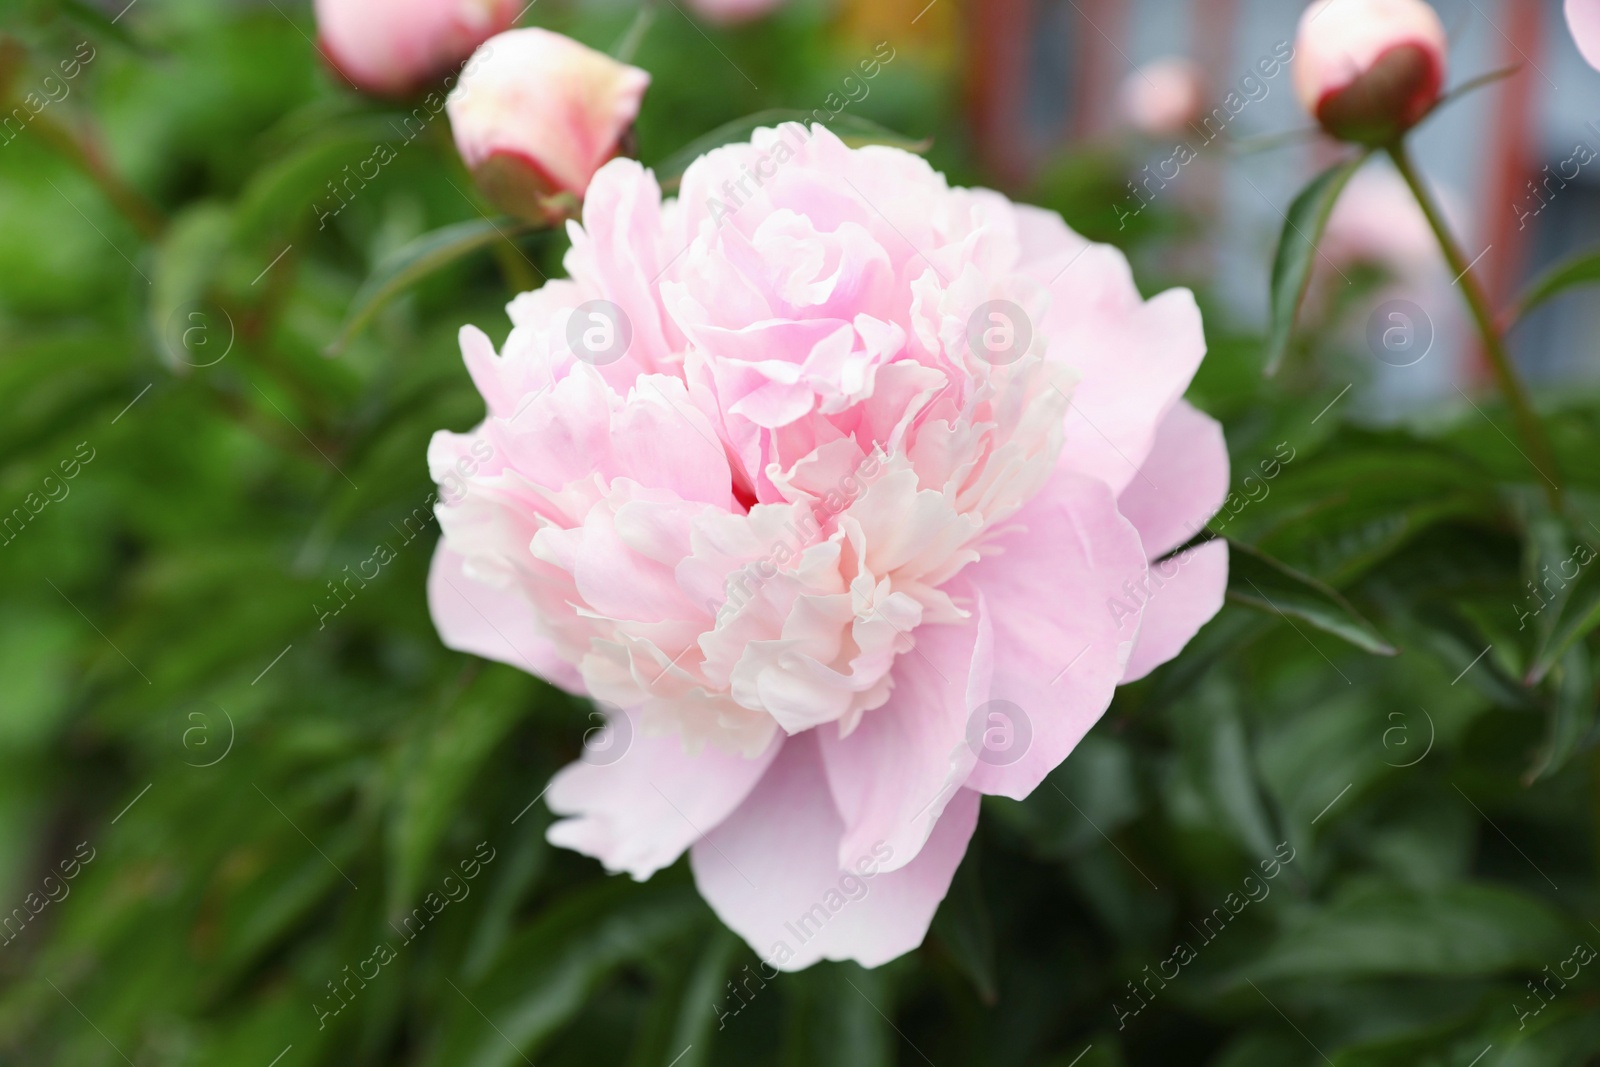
(264, 795)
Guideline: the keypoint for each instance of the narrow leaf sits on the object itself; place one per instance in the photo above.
(415, 261)
(1256, 579)
(1582, 269)
(1297, 252)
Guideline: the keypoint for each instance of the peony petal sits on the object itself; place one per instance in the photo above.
(1062, 594)
(1189, 460)
(1190, 591)
(771, 872)
(639, 812)
(498, 624)
(1583, 18)
(893, 775)
(1135, 359)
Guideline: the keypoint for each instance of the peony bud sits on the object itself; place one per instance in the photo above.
(394, 47)
(1583, 19)
(1163, 97)
(730, 12)
(536, 114)
(1368, 70)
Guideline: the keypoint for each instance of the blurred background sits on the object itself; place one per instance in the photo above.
(218, 794)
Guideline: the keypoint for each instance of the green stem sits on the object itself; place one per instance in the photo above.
(86, 154)
(1527, 421)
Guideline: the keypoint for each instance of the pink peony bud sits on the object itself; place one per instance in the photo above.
(536, 114)
(1368, 70)
(1163, 97)
(730, 12)
(1583, 18)
(394, 47)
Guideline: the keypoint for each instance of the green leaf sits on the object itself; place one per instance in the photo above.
(96, 21)
(1569, 612)
(187, 263)
(1297, 252)
(285, 194)
(705, 1000)
(1581, 269)
(963, 925)
(415, 261)
(1256, 579)
(841, 1014)
(851, 129)
(549, 970)
(1571, 716)
(1386, 929)
(447, 754)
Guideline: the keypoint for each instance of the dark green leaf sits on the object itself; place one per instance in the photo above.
(443, 760)
(415, 261)
(963, 924)
(547, 971)
(1297, 253)
(1392, 930)
(1581, 269)
(1257, 579)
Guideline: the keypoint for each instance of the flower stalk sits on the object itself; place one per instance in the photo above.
(1540, 454)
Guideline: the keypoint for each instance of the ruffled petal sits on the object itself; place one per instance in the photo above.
(771, 872)
(495, 623)
(1186, 591)
(893, 775)
(1135, 358)
(1183, 483)
(1061, 593)
(637, 812)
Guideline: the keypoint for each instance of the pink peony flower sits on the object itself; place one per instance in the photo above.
(536, 114)
(1368, 70)
(1583, 19)
(1377, 222)
(393, 48)
(1161, 98)
(841, 487)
